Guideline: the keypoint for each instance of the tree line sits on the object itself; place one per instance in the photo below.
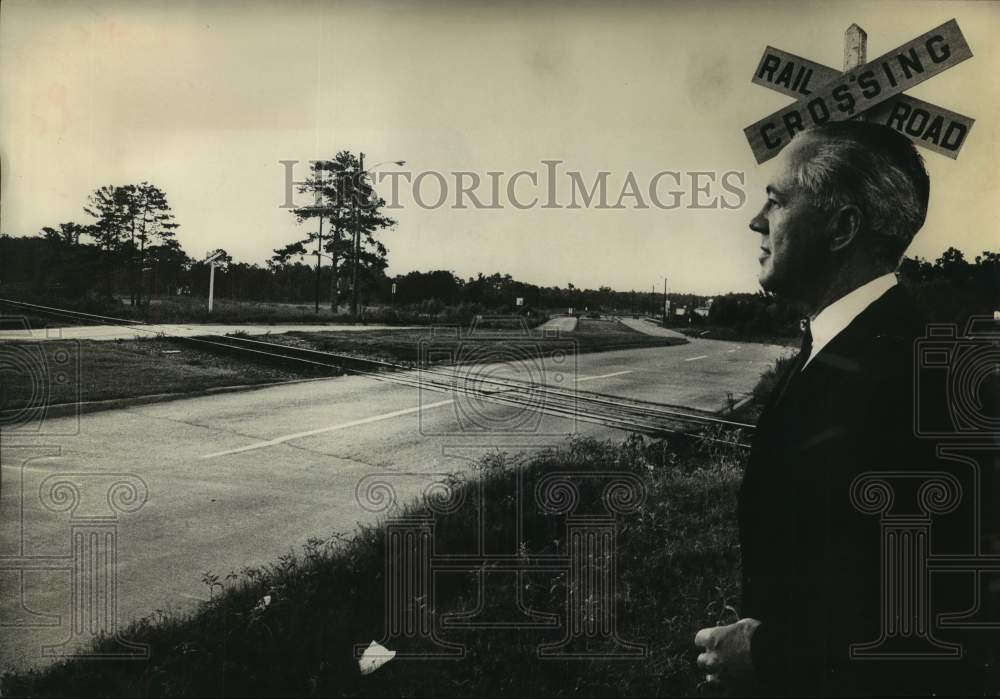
(65, 268)
(949, 290)
(131, 234)
(128, 252)
(58, 264)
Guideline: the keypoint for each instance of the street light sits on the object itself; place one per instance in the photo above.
(376, 166)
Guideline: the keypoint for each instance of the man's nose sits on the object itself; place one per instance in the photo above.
(758, 224)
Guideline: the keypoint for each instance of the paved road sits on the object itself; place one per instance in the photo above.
(566, 324)
(648, 328)
(240, 479)
(129, 332)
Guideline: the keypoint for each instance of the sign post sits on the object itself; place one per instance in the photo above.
(211, 284)
(211, 276)
(855, 47)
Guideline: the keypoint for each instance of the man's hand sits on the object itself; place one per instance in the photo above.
(726, 659)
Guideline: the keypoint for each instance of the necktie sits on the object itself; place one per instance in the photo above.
(797, 365)
(807, 344)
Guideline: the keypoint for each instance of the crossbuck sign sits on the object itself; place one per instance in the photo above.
(872, 91)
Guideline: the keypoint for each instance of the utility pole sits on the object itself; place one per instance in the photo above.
(333, 267)
(357, 234)
(664, 302)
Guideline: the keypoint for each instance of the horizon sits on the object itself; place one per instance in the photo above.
(303, 259)
(206, 102)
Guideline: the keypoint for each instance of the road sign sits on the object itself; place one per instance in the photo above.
(926, 124)
(859, 89)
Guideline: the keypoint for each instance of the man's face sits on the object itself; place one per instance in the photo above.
(791, 226)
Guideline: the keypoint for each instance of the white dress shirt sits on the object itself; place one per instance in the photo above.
(832, 320)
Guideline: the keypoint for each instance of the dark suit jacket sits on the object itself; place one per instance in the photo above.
(811, 561)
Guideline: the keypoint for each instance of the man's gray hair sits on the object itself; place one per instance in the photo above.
(874, 168)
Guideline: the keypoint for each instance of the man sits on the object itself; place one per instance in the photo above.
(846, 202)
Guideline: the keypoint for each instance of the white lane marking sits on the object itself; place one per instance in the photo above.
(700, 356)
(730, 351)
(603, 376)
(365, 421)
(341, 426)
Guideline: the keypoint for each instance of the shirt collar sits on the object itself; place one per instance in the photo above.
(832, 320)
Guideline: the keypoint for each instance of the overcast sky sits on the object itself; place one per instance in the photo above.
(204, 99)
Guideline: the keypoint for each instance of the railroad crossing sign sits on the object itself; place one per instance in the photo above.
(872, 90)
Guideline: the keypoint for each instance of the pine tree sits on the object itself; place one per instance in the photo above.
(109, 206)
(332, 185)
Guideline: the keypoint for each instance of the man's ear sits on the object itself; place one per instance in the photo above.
(845, 225)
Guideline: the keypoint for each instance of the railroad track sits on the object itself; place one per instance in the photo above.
(464, 382)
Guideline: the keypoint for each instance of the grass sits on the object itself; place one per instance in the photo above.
(600, 327)
(65, 371)
(677, 571)
(456, 343)
(193, 310)
(720, 332)
(187, 309)
(769, 379)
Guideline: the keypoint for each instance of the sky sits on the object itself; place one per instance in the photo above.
(205, 99)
